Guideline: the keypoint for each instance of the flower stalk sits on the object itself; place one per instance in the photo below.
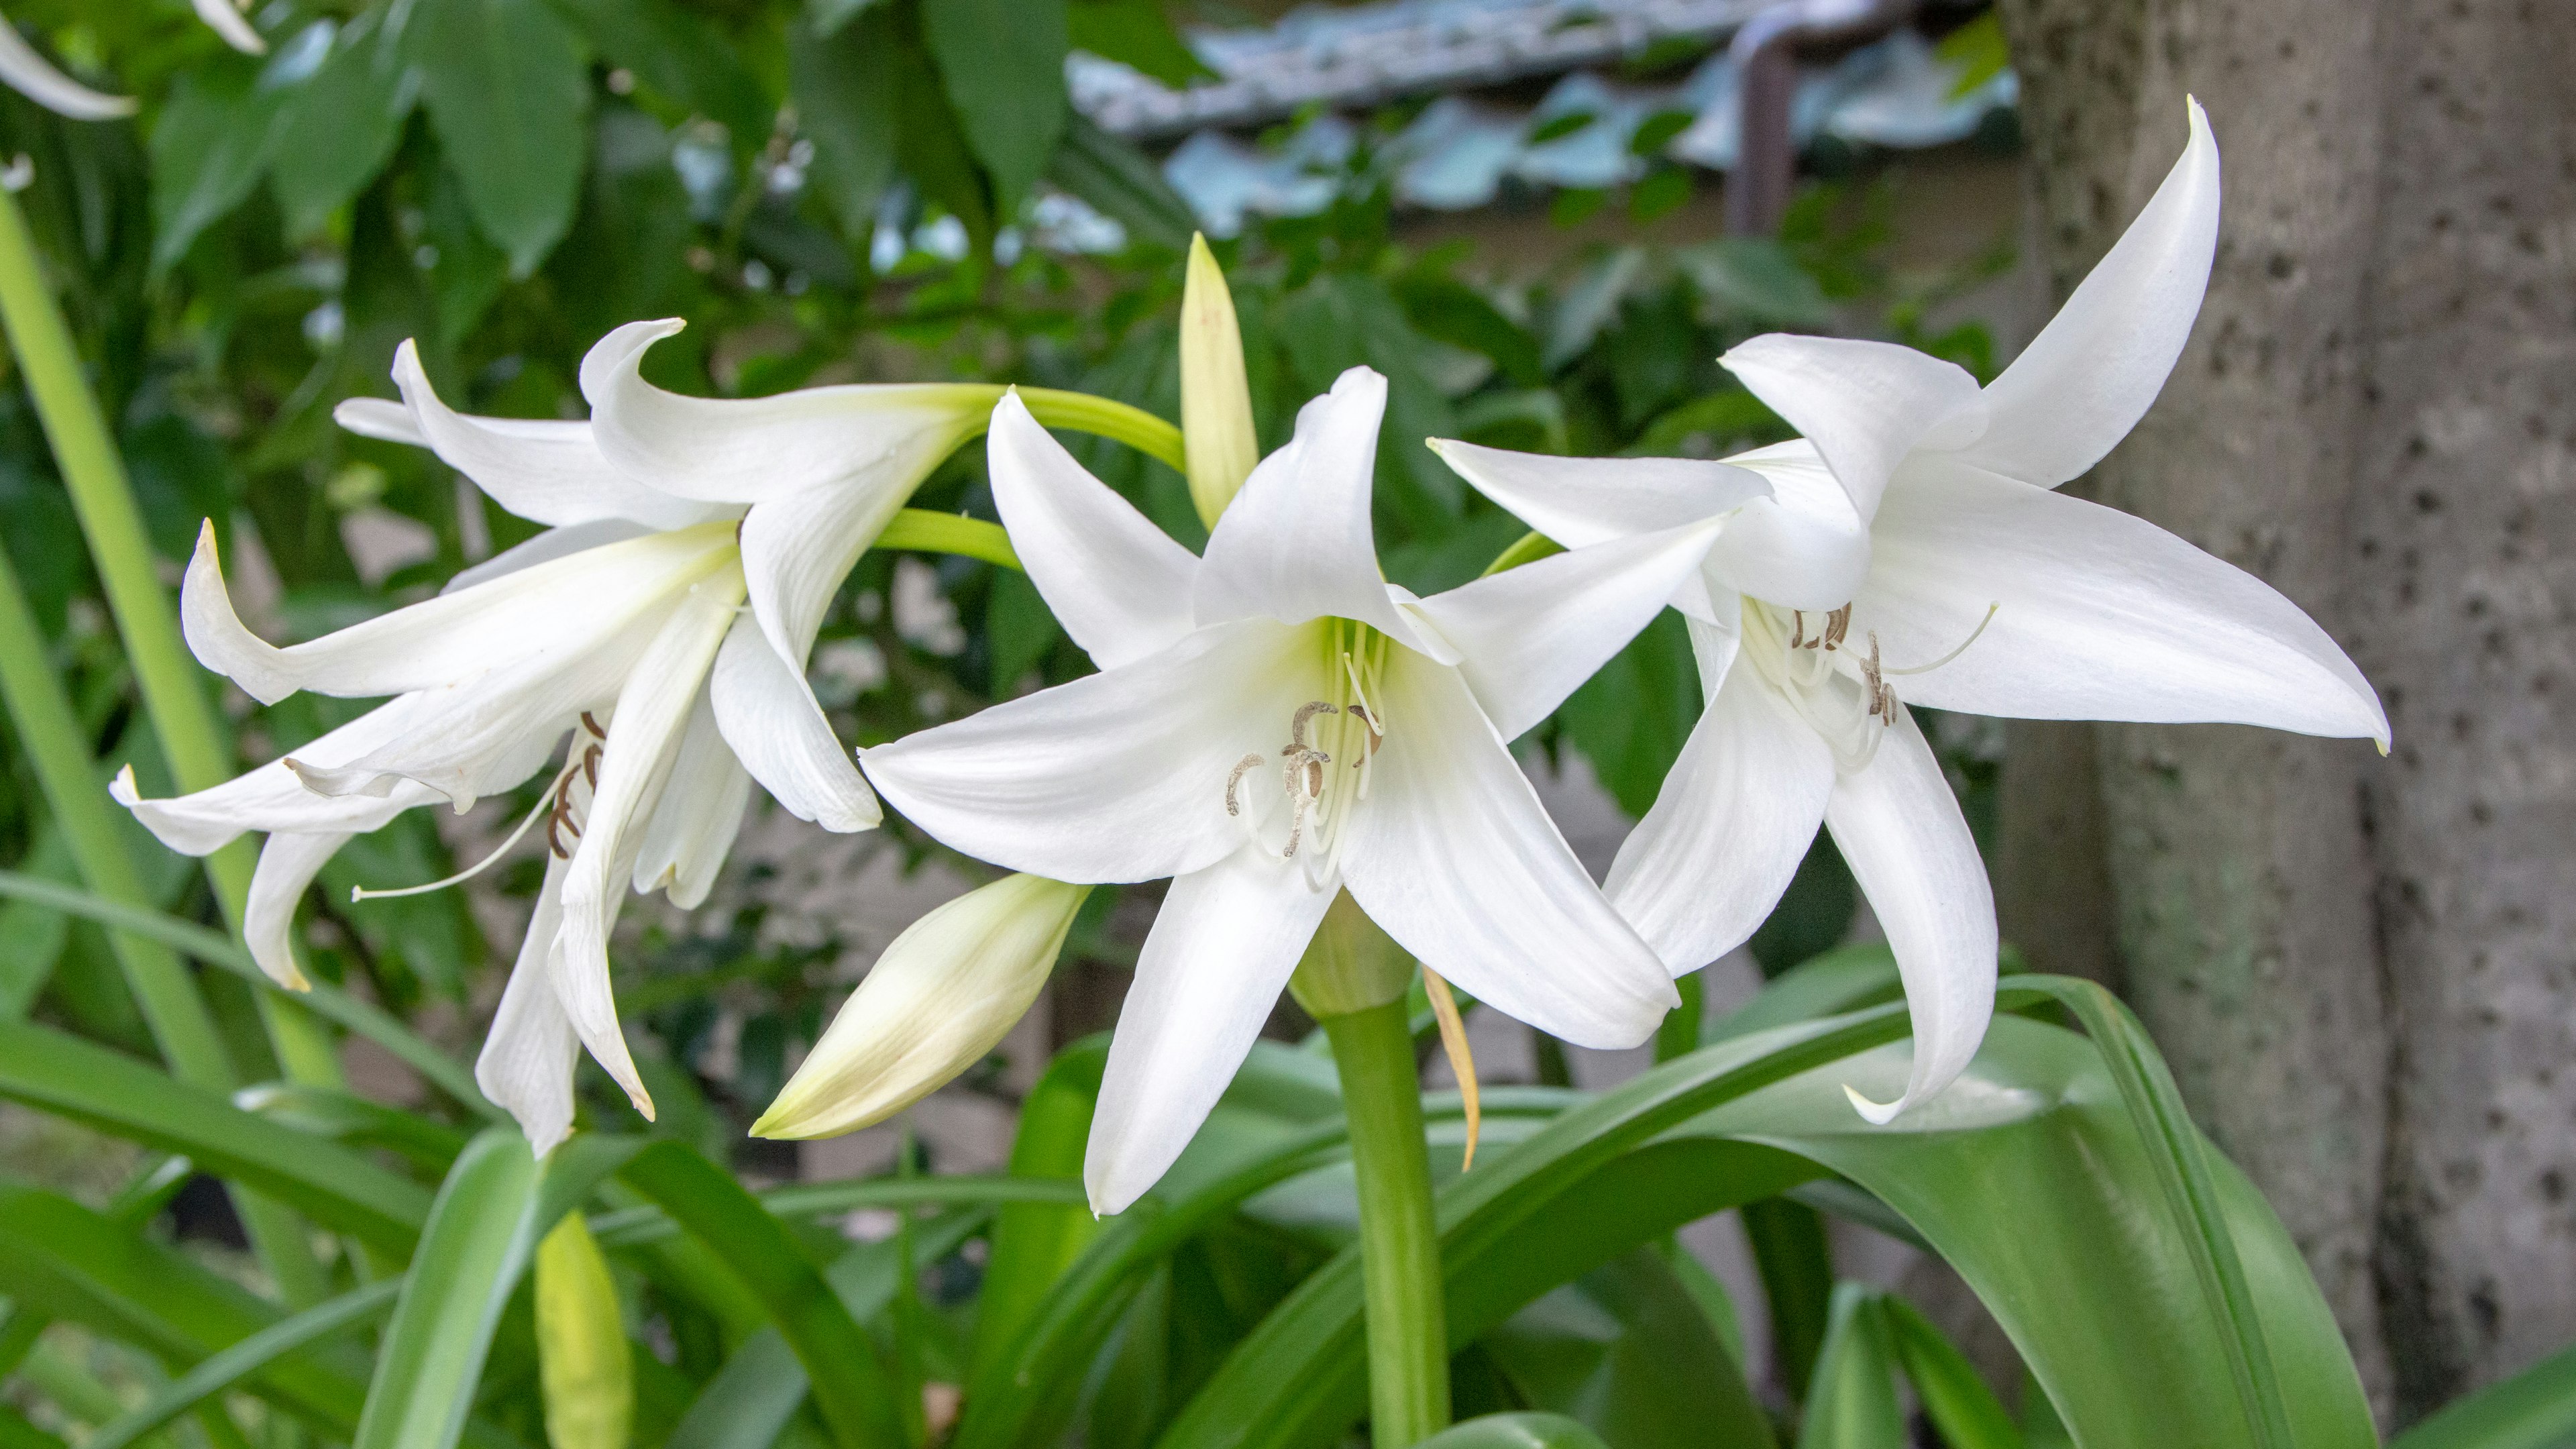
(1407, 1315)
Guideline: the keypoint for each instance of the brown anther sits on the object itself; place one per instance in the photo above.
(1297, 724)
(1797, 628)
(1838, 624)
(590, 766)
(1242, 767)
(592, 725)
(1882, 696)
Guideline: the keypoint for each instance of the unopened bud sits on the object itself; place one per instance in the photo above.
(1216, 402)
(583, 1360)
(937, 1002)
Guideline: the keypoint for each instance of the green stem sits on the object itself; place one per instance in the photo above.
(1116, 421)
(928, 532)
(1408, 1335)
(1678, 1034)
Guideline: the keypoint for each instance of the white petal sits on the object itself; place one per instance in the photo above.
(770, 720)
(382, 419)
(1454, 856)
(797, 550)
(1900, 831)
(936, 1003)
(1864, 404)
(528, 1056)
(698, 816)
(1526, 637)
(287, 865)
(652, 712)
(2096, 367)
(28, 73)
(1117, 776)
(544, 471)
(552, 611)
(750, 450)
(1119, 585)
(546, 547)
(2098, 615)
(224, 20)
(1702, 871)
(1805, 546)
(1295, 544)
(1584, 501)
(1212, 968)
(270, 797)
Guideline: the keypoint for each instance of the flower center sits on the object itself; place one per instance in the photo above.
(1841, 691)
(1345, 729)
(559, 807)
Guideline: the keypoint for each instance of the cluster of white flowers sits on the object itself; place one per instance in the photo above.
(1272, 725)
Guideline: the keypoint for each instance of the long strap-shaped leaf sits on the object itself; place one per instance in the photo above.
(219, 950)
(471, 1255)
(635, 1227)
(850, 1384)
(1515, 1431)
(116, 1094)
(2174, 1148)
(223, 1371)
(2535, 1409)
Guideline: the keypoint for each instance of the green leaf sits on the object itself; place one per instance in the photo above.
(849, 1382)
(1757, 280)
(480, 1234)
(1136, 34)
(1122, 183)
(339, 127)
(64, 1075)
(1954, 1397)
(221, 1372)
(1034, 1244)
(673, 52)
(1002, 64)
(208, 147)
(216, 949)
(329, 1113)
(1626, 1349)
(2535, 1409)
(842, 81)
(1515, 1431)
(507, 91)
(1797, 1266)
(1851, 1404)
(1631, 719)
(1448, 310)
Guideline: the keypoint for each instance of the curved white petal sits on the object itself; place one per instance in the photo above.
(2092, 372)
(797, 550)
(751, 450)
(269, 797)
(1220, 952)
(1864, 404)
(1119, 585)
(1702, 871)
(287, 865)
(1527, 636)
(542, 470)
(528, 1056)
(382, 419)
(2097, 615)
(936, 1003)
(1583, 501)
(652, 713)
(1805, 546)
(1295, 544)
(23, 70)
(546, 547)
(232, 25)
(770, 719)
(1900, 831)
(1455, 858)
(1117, 776)
(551, 611)
(699, 814)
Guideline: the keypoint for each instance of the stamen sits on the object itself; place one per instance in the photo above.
(1973, 636)
(1837, 624)
(1306, 713)
(1797, 628)
(1365, 709)
(1242, 767)
(1462, 1058)
(552, 804)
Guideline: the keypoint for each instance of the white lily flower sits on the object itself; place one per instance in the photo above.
(1274, 723)
(937, 1002)
(1912, 545)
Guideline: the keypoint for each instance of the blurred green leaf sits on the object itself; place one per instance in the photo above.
(340, 126)
(1122, 183)
(1851, 1403)
(842, 80)
(507, 89)
(1631, 720)
(1626, 1350)
(1960, 1405)
(471, 1255)
(1515, 1431)
(208, 147)
(677, 54)
(1796, 1261)
(2534, 1409)
(1002, 62)
(1137, 34)
(253, 1354)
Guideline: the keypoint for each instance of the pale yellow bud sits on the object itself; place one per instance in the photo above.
(940, 998)
(583, 1359)
(1350, 965)
(1216, 403)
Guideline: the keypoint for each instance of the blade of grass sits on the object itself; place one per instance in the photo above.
(219, 1373)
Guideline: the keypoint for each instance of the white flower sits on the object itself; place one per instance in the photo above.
(937, 1002)
(1912, 550)
(622, 626)
(1272, 724)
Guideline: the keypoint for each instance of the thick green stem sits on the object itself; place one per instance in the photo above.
(1408, 1334)
(1082, 413)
